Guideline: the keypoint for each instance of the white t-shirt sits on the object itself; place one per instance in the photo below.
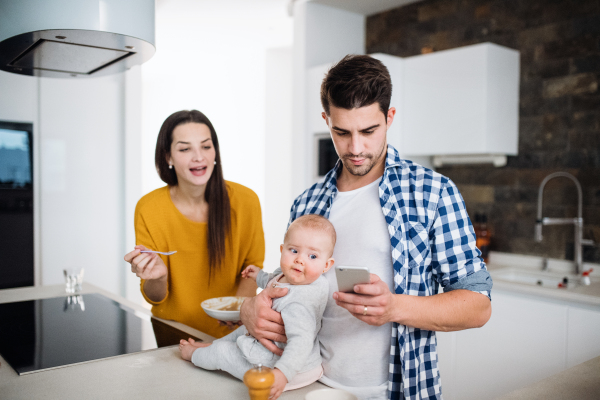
(355, 354)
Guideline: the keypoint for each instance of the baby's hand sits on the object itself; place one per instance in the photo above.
(251, 271)
(278, 385)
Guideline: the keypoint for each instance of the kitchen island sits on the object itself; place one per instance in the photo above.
(581, 382)
(152, 374)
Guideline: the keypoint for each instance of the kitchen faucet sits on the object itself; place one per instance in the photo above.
(578, 222)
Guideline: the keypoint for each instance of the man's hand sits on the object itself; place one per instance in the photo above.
(456, 310)
(372, 303)
(278, 385)
(262, 322)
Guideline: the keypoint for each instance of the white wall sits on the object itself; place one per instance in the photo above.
(133, 170)
(211, 57)
(78, 173)
(322, 35)
(82, 218)
(278, 152)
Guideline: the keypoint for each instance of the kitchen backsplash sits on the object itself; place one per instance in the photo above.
(559, 121)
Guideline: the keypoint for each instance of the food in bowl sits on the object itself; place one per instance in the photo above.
(223, 308)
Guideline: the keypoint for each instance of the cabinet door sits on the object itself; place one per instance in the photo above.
(446, 349)
(583, 332)
(461, 101)
(445, 102)
(524, 341)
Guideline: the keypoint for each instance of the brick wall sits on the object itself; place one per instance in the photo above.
(559, 123)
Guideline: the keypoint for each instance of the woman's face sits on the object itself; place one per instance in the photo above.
(192, 153)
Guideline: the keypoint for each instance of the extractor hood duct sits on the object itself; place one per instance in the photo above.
(75, 38)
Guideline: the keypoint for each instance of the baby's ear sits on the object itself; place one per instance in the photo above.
(328, 265)
(281, 248)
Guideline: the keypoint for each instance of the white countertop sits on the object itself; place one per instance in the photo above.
(582, 382)
(153, 374)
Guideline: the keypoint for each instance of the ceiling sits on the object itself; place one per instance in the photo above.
(365, 7)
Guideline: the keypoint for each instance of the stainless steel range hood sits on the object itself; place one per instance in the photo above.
(75, 38)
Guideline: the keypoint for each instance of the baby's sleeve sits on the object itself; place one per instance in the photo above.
(263, 278)
(300, 329)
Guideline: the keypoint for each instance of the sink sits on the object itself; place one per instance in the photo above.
(536, 278)
(523, 274)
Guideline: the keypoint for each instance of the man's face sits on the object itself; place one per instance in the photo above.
(359, 136)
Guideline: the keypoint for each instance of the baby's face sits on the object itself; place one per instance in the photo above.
(305, 255)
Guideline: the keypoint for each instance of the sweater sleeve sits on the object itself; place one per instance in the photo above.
(144, 238)
(300, 327)
(263, 277)
(256, 254)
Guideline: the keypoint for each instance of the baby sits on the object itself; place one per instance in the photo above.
(305, 255)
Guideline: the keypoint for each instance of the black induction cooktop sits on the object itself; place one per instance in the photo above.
(41, 334)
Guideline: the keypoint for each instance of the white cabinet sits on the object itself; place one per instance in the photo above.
(583, 335)
(527, 339)
(461, 103)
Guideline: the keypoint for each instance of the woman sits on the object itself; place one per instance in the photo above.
(214, 225)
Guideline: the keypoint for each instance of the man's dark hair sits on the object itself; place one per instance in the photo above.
(357, 81)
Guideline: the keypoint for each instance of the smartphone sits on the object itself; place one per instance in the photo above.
(348, 276)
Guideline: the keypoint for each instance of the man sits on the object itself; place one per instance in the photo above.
(409, 225)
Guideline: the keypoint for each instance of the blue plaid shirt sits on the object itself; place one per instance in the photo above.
(433, 245)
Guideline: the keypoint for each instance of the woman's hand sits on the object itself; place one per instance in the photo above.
(262, 322)
(372, 303)
(151, 268)
(147, 266)
(230, 324)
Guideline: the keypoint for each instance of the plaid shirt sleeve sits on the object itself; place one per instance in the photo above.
(455, 258)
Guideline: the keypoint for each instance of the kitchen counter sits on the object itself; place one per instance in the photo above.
(582, 382)
(153, 374)
(581, 294)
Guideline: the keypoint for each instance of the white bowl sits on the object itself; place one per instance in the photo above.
(330, 394)
(223, 308)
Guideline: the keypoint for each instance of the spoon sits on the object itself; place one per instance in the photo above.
(164, 253)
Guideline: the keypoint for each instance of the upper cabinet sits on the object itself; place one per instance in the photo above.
(461, 101)
(459, 105)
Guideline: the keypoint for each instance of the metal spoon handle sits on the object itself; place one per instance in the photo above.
(165, 253)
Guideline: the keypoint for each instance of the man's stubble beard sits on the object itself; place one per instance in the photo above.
(362, 170)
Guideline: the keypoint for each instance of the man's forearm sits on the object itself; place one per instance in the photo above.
(156, 289)
(452, 311)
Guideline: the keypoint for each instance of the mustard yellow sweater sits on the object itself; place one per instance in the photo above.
(160, 226)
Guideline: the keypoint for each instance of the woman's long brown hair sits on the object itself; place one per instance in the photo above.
(219, 208)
